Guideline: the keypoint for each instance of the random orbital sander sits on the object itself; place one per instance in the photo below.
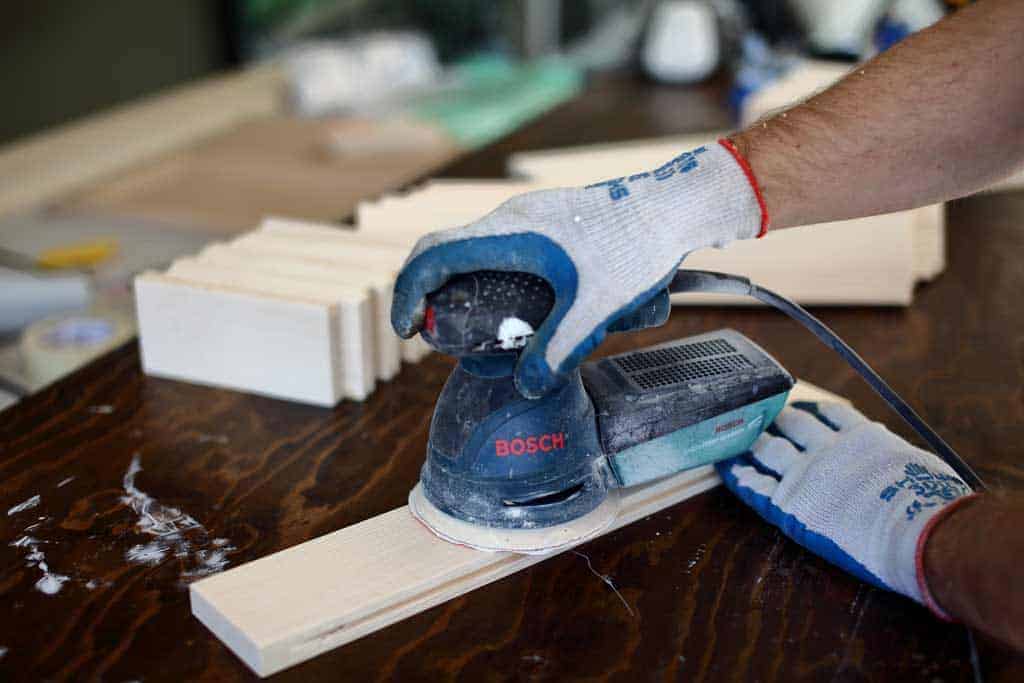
(508, 473)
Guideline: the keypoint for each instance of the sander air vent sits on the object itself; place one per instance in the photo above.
(688, 372)
(671, 365)
(645, 360)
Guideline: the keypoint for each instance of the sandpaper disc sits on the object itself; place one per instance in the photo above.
(525, 541)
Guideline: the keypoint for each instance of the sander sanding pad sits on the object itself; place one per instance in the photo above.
(538, 541)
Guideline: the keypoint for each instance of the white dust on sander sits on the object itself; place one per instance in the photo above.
(513, 333)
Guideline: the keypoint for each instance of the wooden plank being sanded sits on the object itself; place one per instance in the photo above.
(291, 606)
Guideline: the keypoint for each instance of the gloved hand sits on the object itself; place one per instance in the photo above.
(850, 491)
(606, 250)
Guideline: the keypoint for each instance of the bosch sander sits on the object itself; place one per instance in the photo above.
(504, 472)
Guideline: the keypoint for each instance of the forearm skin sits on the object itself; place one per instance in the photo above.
(974, 566)
(939, 116)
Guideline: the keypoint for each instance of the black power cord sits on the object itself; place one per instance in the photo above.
(725, 283)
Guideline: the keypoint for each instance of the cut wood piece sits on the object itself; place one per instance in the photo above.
(592, 163)
(1011, 184)
(436, 207)
(295, 604)
(386, 350)
(929, 241)
(274, 346)
(415, 349)
(374, 258)
(392, 240)
(800, 83)
(833, 264)
(334, 238)
(353, 332)
(353, 250)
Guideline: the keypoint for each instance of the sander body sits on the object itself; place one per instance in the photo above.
(508, 473)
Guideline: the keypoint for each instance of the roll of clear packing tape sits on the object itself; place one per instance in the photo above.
(54, 347)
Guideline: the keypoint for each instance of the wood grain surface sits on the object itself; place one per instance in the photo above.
(712, 592)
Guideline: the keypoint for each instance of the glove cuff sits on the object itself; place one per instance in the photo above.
(927, 597)
(752, 179)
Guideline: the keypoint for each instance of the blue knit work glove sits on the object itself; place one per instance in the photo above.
(850, 491)
(606, 250)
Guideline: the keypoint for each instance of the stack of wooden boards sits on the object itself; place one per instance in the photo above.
(291, 310)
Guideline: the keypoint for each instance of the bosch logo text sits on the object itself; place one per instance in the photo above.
(544, 443)
(729, 425)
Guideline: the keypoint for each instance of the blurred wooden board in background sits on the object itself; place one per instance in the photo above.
(312, 169)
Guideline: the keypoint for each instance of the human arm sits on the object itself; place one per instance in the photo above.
(972, 563)
(938, 116)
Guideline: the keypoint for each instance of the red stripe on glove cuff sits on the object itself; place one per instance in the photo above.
(752, 179)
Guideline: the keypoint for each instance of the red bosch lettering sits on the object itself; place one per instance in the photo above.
(529, 445)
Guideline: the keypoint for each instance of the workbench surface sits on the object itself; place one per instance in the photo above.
(713, 592)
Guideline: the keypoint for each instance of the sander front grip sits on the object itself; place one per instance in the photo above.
(465, 316)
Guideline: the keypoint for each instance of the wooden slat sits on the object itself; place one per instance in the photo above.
(218, 337)
(295, 604)
(386, 349)
(352, 333)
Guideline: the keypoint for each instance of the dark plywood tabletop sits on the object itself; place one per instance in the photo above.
(708, 591)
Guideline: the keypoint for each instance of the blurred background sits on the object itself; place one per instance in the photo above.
(132, 133)
(69, 58)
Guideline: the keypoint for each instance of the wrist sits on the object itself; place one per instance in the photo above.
(937, 539)
(739, 155)
(767, 150)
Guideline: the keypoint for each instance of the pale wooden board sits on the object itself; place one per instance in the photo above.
(43, 167)
(828, 264)
(929, 241)
(352, 333)
(1012, 184)
(591, 163)
(386, 349)
(435, 206)
(805, 80)
(342, 248)
(335, 240)
(291, 606)
(275, 165)
(219, 337)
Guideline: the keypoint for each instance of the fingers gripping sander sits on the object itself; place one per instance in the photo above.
(507, 473)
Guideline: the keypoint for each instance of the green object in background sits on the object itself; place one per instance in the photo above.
(496, 96)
